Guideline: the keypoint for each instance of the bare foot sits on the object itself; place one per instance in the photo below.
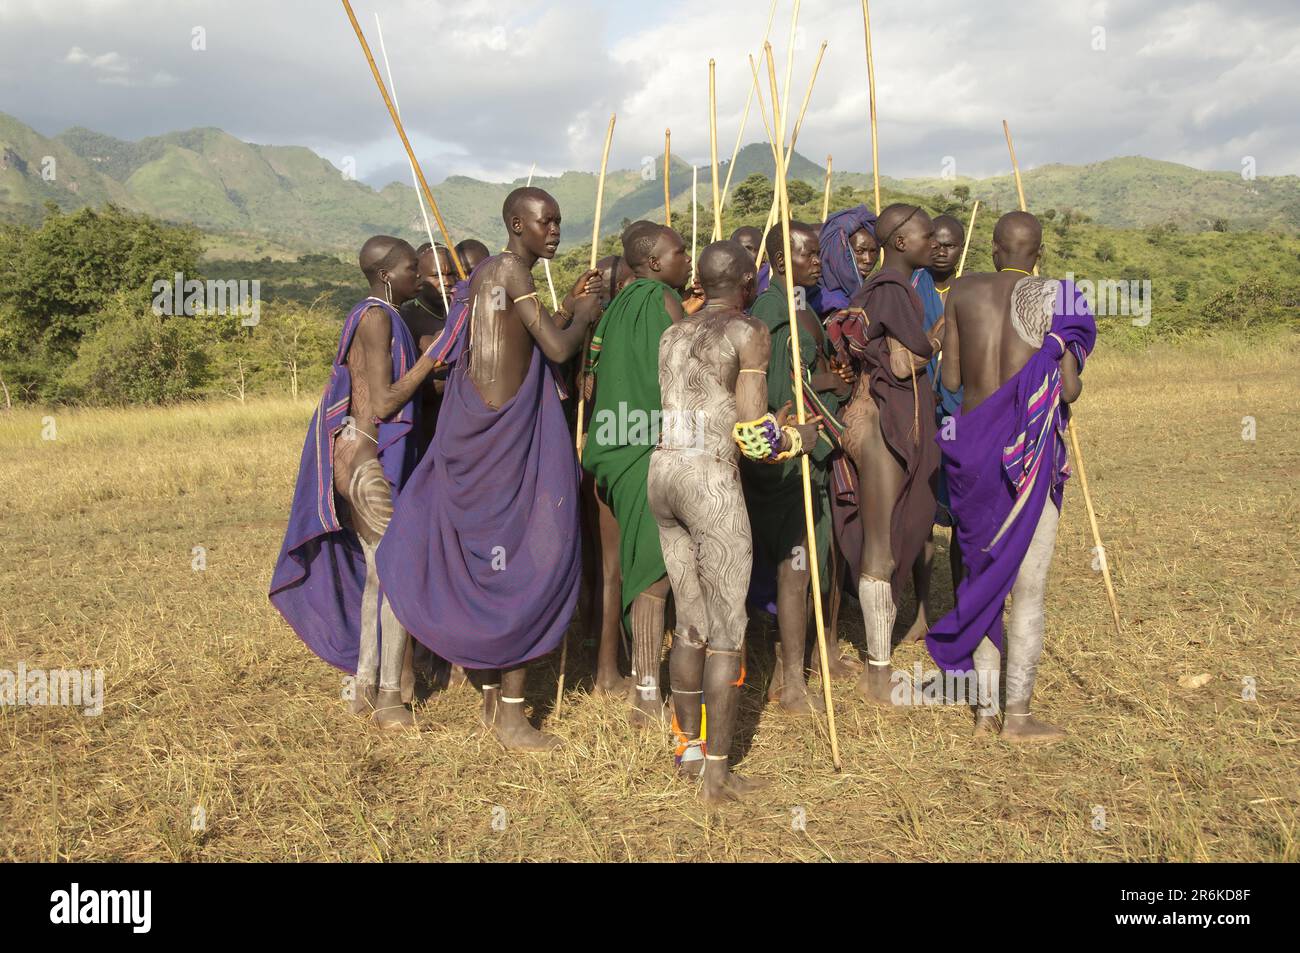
(724, 787)
(775, 686)
(648, 709)
(918, 630)
(797, 700)
(842, 667)
(986, 726)
(488, 713)
(390, 713)
(612, 683)
(875, 685)
(521, 736)
(1026, 729)
(363, 703)
(457, 677)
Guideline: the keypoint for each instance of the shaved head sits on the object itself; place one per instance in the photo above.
(383, 253)
(1019, 234)
(470, 252)
(776, 240)
(950, 224)
(519, 199)
(639, 240)
(723, 267)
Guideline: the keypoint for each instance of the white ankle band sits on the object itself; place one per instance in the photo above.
(512, 701)
(491, 688)
(1018, 714)
(682, 691)
(715, 757)
(883, 664)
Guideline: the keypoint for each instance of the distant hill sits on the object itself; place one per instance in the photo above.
(289, 198)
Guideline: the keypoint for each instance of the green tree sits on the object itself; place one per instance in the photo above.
(753, 195)
(801, 193)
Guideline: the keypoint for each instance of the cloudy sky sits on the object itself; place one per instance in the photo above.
(488, 87)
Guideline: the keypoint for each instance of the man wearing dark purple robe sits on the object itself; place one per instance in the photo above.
(1017, 344)
(359, 452)
(483, 563)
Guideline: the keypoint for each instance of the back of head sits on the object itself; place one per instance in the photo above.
(471, 251)
(723, 267)
(382, 253)
(1019, 234)
(749, 236)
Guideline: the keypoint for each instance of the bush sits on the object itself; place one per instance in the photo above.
(137, 357)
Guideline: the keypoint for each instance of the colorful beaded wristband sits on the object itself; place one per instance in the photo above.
(758, 439)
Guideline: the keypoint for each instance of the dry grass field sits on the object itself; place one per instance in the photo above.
(211, 702)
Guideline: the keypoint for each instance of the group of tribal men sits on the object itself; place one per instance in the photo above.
(439, 496)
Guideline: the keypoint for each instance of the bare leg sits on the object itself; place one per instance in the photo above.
(792, 622)
(686, 671)
(510, 725)
(367, 680)
(647, 652)
(1025, 631)
(988, 675)
(607, 601)
(722, 697)
(921, 571)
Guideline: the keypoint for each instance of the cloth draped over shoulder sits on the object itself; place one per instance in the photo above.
(906, 408)
(840, 278)
(1005, 461)
(321, 571)
(774, 491)
(625, 413)
(481, 562)
(948, 402)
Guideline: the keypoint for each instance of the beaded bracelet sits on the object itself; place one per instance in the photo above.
(758, 439)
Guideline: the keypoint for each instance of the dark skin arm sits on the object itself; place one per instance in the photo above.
(389, 396)
(951, 367)
(558, 344)
(1071, 382)
(753, 346)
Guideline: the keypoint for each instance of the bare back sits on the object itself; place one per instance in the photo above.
(702, 389)
(500, 347)
(994, 346)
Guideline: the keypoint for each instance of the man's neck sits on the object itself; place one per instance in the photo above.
(648, 275)
(1016, 266)
(380, 291)
(942, 277)
(897, 264)
(730, 302)
(516, 248)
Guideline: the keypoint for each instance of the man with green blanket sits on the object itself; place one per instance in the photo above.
(625, 417)
(774, 491)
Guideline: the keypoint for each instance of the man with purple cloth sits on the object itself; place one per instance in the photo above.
(482, 563)
(1017, 344)
(360, 449)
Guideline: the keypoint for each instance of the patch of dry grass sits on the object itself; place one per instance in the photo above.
(212, 702)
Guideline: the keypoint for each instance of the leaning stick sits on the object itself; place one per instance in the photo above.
(826, 196)
(713, 148)
(428, 229)
(546, 262)
(401, 131)
(695, 221)
(668, 189)
(582, 376)
(740, 133)
(871, 83)
(1074, 437)
(794, 137)
(805, 472)
(970, 230)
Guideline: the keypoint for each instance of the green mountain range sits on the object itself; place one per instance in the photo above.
(287, 198)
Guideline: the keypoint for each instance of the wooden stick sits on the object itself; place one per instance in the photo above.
(582, 374)
(428, 229)
(805, 472)
(713, 148)
(789, 155)
(546, 262)
(970, 230)
(740, 133)
(668, 191)
(871, 82)
(401, 131)
(695, 223)
(826, 197)
(1074, 439)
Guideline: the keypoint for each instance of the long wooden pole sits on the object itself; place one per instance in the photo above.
(740, 133)
(695, 218)
(668, 191)
(1074, 437)
(546, 262)
(778, 112)
(428, 228)
(582, 376)
(401, 131)
(826, 196)
(789, 153)
(871, 83)
(970, 230)
(713, 148)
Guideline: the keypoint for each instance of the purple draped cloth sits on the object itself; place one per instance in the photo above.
(1006, 460)
(321, 571)
(840, 278)
(764, 277)
(482, 562)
